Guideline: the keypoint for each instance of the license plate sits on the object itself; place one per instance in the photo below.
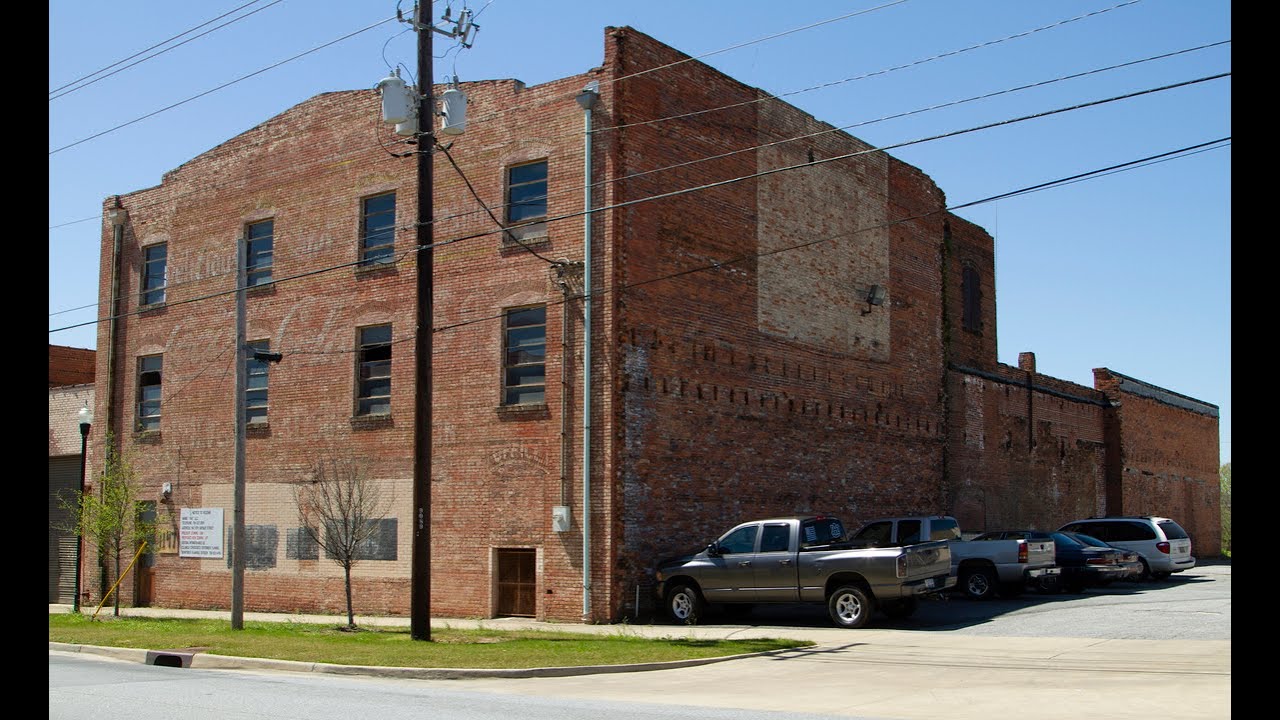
(931, 583)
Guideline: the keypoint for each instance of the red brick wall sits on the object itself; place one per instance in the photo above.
(1020, 457)
(70, 366)
(1167, 460)
(734, 404)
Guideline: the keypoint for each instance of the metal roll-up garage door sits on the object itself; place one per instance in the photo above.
(64, 481)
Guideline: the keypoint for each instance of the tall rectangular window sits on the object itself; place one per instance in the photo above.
(524, 356)
(527, 198)
(154, 263)
(378, 229)
(259, 240)
(373, 371)
(255, 397)
(149, 376)
(971, 292)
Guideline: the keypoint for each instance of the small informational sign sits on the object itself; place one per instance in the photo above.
(200, 533)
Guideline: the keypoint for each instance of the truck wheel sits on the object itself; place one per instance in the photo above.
(850, 607)
(978, 583)
(684, 604)
(901, 609)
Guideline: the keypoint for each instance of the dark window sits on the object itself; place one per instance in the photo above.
(908, 532)
(1172, 530)
(742, 540)
(971, 290)
(260, 545)
(821, 531)
(255, 397)
(154, 263)
(527, 192)
(378, 229)
(1128, 531)
(524, 367)
(775, 538)
(259, 241)
(373, 381)
(876, 534)
(944, 529)
(149, 376)
(300, 545)
(379, 545)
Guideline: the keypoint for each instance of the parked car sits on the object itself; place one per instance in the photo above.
(1129, 560)
(1083, 564)
(982, 568)
(1163, 545)
(803, 559)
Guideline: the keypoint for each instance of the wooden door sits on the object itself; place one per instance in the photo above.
(517, 583)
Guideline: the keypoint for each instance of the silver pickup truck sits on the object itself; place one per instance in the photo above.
(983, 567)
(803, 559)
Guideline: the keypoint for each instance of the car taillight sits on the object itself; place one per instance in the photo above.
(1163, 547)
(1022, 553)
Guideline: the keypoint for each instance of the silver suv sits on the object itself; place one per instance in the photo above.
(1162, 544)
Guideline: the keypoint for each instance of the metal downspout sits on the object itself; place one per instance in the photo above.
(118, 217)
(587, 100)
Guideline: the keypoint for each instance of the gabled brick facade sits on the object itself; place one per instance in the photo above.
(739, 366)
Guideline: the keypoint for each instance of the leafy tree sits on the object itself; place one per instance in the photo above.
(109, 519)
(1224, 484)
(340, 509)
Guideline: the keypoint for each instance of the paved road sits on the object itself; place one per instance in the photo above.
(1140, 651)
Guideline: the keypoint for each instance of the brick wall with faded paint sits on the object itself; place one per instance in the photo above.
(758, 380)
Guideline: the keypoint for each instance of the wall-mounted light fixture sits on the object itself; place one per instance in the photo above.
(875, 296)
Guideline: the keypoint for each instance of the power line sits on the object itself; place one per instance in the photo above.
(224, 85)
(205, 189)
(53, 97)
(721, 183)
(749, 256)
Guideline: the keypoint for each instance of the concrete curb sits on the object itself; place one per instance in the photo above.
(210, 661)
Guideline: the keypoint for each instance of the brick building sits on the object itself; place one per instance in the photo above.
(70, 390)
(813, 332)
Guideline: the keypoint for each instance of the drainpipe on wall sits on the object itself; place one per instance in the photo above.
(118, 217)
(586, 100)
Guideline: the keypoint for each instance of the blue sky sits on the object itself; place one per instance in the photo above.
(1129, 271)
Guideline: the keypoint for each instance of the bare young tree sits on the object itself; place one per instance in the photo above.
(340, 509)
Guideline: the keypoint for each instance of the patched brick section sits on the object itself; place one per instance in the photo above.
(1168, 458)
(822, 236)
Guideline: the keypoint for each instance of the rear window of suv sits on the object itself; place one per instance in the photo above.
(1172, 530)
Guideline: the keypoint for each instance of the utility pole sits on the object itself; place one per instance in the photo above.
(418, 120)
(420, 571)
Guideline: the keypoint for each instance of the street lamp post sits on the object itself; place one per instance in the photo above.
(86, 420)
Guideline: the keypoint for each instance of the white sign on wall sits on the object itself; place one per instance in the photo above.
(200, 533)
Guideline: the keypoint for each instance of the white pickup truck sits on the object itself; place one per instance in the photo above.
(982, 567)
